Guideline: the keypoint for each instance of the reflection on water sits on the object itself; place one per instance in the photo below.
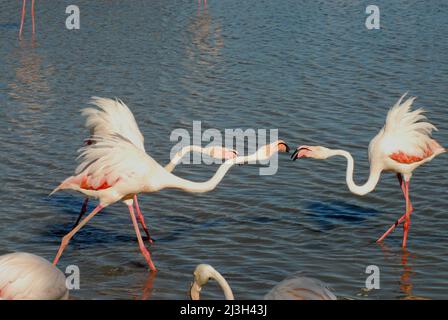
(308, 68)
(406, 277)
(404, 258)
(30, 74)
(206, 35)
(148, 286)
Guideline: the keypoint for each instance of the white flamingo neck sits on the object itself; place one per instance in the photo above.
(169, 180)
(228, 294)
(367, 187)
(179, 155)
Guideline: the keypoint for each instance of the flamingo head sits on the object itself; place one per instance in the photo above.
(202, 274)
(268, 150)
(316, 152)
(221, 153)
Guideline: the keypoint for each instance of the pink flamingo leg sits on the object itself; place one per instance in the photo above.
(32, 15)
(23, 17)
(68, 236)
(143, 249)
(407, 221)
(392, 227)
(142, 220)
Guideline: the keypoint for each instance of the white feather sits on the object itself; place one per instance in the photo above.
(27, 276)
(406, 131)
(111, 158)
(112, 116)
(298, 287)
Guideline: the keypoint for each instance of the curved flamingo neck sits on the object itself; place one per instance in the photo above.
(179, 155)
(165, 179)
(228, 294)
(371, 182)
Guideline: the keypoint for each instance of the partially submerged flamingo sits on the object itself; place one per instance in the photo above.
(292, 288)
(401, 146)
(25, 276)
(115, 168)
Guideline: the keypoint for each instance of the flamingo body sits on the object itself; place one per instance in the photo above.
(25, 276)
(300, 288)
(404, 143)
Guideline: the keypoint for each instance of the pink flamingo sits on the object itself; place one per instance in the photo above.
(402, 145)
(114, 117)
(115, 168)
(25, 276)
(23, 17)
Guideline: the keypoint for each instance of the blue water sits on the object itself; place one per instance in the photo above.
(309, 68)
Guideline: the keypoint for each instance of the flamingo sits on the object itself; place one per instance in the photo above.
(401, 146)
(113, 116)
(23, 17)
(294, 288)
(115, 168)
(25, 276)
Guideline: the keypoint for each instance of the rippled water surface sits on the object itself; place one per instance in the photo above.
(309, 68)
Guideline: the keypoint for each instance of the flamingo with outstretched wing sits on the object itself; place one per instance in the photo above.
(112, 116)
(401, 146)
(114, 168)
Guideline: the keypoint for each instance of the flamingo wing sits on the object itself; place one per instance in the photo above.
(110, 117)
(108, 160)
(406, 136)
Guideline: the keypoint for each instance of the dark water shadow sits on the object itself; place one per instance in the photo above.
(335, 213)
(181, 233)
(9, 26)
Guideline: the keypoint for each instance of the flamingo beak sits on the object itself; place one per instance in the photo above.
(194, 291)
(300, 152)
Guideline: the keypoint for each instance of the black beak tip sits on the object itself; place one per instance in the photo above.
(294, 155)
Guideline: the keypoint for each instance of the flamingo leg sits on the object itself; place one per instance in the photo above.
(32, 15)
(143, 249)
(23, 17)
(142, 220)
(82, 212)
(407, 221)
(392, 227)
(68, 236)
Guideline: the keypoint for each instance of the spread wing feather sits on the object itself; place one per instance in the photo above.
(110, 117)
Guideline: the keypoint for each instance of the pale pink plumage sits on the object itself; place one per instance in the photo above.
(401, 146)
(115, 167)
(25, 276)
